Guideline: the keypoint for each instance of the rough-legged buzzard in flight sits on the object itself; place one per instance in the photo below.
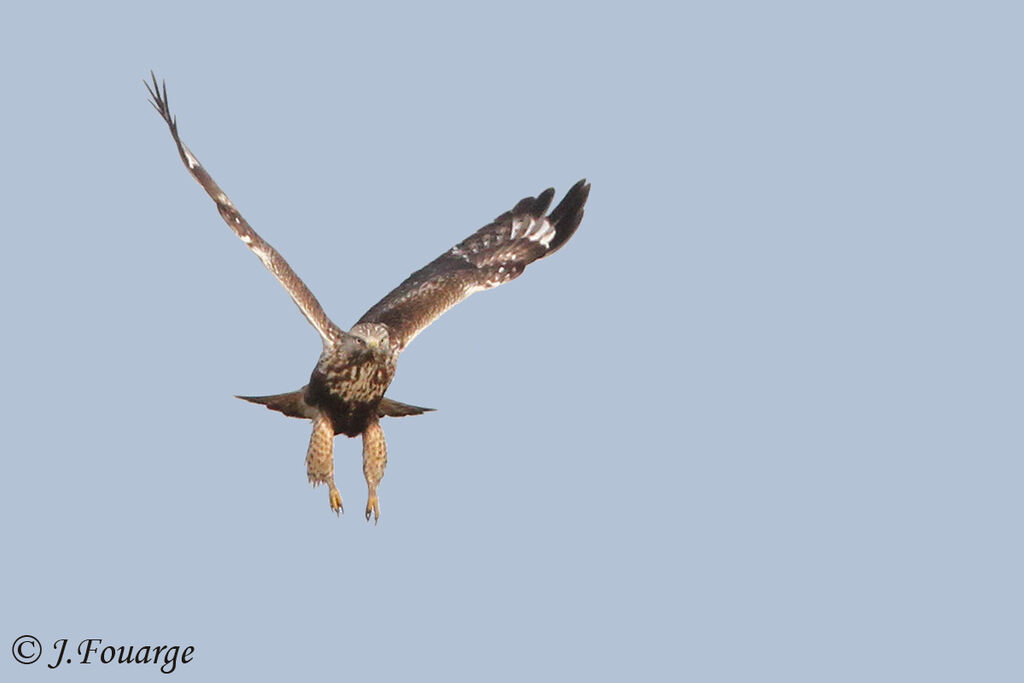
(345, 393)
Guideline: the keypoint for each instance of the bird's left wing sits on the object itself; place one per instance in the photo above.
(275, 263)
(493, 255)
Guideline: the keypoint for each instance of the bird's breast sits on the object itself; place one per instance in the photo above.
(348, 392)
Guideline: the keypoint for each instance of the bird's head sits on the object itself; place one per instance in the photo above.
(367, 341)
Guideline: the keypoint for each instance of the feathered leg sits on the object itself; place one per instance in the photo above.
(320, 459)
(375, 459)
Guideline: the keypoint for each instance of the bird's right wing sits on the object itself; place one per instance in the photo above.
(275, 263)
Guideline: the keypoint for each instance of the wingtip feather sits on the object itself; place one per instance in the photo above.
(568, 215)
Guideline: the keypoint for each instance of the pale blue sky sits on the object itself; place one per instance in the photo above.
(759, 420)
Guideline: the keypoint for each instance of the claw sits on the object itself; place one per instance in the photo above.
(372, 506)
(336, 504)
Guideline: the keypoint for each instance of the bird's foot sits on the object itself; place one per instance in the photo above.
(336, 504)
(372, 507)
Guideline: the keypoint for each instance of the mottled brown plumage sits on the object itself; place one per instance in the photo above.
(345, 393)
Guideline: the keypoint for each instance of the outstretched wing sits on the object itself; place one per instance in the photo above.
(274, 262)
(493, 255)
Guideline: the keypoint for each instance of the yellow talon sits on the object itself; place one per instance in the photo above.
(336, 502)
(372, 506)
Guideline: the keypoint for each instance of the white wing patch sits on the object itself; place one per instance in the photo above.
(534, 230)
(192, 161)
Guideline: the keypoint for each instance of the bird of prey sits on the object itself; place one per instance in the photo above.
(345, 393)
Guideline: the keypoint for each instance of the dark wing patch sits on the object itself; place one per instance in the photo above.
(292, 404)
(392, 408)
(493, 255)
